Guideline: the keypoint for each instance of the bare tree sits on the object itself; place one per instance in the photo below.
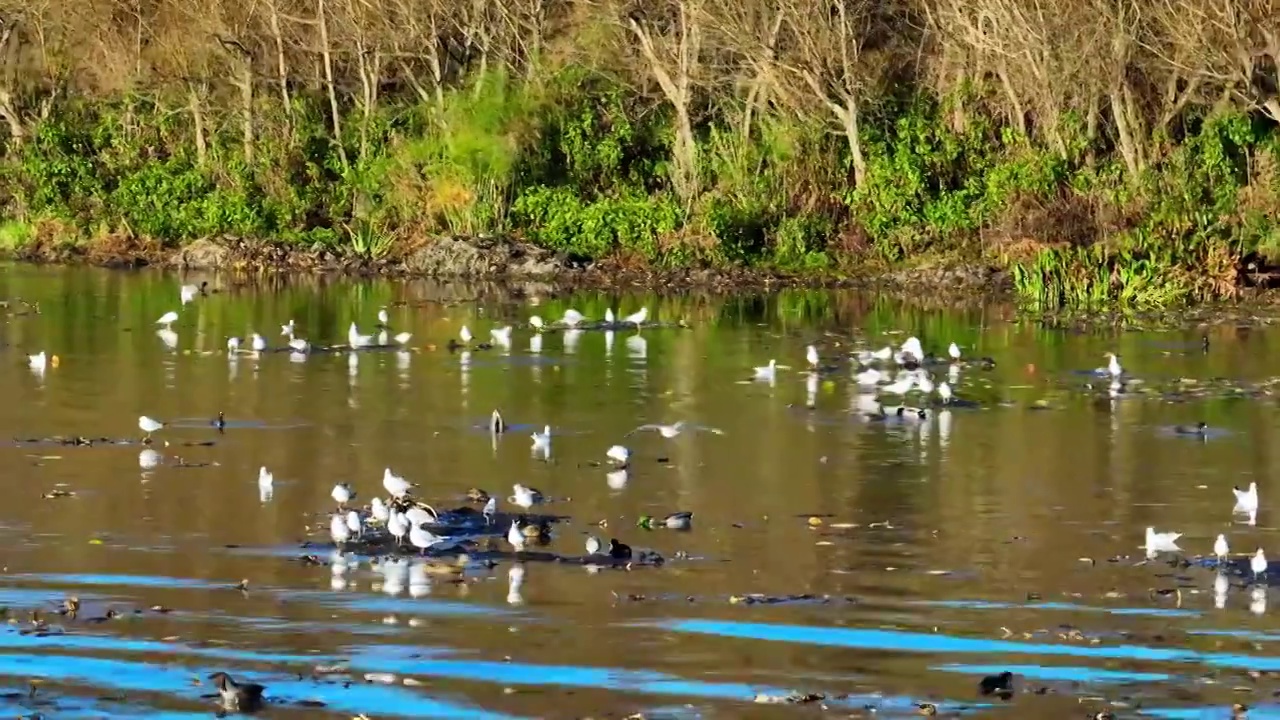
(833, 55)
(750, 31)
(670, 42)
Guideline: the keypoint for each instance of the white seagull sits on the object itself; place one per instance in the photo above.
(338, 529)
(148, 426)
(1258, 564)
(525, 497)
(1246, 500)
(168, 319)
(515, 537)
(572, 317)
(619, 455)
(1220, 548)
(542, 441)
(355, 339)
(638, 317)
(342, 494)
(396, 485)
(1162, 540)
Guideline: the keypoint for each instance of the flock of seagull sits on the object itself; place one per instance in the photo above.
(405, 519)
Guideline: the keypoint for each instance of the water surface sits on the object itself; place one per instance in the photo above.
(1003, 536)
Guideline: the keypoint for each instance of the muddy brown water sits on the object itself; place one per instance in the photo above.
(983, 539)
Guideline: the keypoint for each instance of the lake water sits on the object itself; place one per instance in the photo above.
(983, 539)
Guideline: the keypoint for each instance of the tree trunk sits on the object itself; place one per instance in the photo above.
(677, 92)
(1019, 111)
(326, 54)
(197, 119)
(370, 69)
(246, 102)
(852, 130)
(1127, 141)
(1091, 133)
(8, 108)
(283, 70)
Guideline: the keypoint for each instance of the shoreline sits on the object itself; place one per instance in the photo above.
(932, 282)
(506, 261)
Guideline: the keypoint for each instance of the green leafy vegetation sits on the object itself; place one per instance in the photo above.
(799, 136)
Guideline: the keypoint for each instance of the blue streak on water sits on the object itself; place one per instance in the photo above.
(115, 711)
(408, 606)
(1066, 674)
(402, 661)
(946, 644)
(121, 580)
(141, 677)
(27, 598)
(17, 640)
(1072, 607)
(1243, 634)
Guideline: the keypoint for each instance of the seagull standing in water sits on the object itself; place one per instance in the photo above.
(1113, 366)
(811, 354)
(1246, 500)
(397, 525)
(338, 529)
(490, 509)
(422, 538)
(354, 524)
(637, 318)
(1258, 564)
(168, 319)
(572, 317)
(148, 426)
(397, 486)
(515, 536)
(465, 335)
(266, 481)
(342, 494)
(378, 510)
(944, 392)
(1220, 548)
(954, 351)
(37, 361)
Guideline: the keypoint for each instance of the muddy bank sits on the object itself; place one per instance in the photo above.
(506, 261)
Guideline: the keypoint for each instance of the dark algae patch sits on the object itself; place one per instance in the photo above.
(608, 146)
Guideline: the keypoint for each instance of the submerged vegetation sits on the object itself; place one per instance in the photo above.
(1122, 151)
